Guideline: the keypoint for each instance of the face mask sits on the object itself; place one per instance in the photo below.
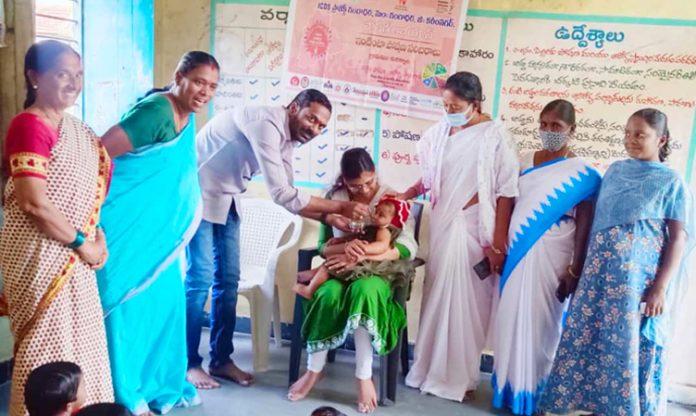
(461, 119)
(553, 141)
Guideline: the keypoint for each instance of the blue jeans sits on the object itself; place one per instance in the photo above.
(213, 257)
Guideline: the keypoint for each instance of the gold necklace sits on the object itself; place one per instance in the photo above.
(54, 123)
(179, 122)
(547, 157)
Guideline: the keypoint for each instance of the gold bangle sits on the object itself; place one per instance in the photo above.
(570, 272)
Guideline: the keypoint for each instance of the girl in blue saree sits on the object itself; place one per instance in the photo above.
(548, 239)
(611, 357)
(151, 213)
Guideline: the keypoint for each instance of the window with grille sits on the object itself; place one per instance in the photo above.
(60, 20)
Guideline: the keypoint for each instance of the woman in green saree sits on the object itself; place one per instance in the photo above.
(364, 307)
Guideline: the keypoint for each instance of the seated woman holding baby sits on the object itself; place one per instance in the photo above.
(352, 291)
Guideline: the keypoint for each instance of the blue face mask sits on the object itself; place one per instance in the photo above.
(461, 119)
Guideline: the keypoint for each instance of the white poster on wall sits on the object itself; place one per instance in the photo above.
(608, 67)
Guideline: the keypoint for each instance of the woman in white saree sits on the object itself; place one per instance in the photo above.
(548, 238)
(470, 168)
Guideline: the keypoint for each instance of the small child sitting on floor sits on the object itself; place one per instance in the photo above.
(387, 222)
(327, 411)
(54, 389)
(104, 409)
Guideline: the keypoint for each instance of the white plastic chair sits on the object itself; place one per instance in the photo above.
(263, 224)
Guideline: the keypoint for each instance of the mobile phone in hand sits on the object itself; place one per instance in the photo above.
(483, 268)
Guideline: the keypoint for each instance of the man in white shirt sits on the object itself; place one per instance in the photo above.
(234, 146)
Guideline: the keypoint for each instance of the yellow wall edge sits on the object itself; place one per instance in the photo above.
(670, 9)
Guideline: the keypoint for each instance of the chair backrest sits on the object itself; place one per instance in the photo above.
(263, 225)
(417, 214)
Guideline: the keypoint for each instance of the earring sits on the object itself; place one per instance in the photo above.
(36, 87)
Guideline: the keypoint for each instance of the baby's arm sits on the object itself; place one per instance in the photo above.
(334, 249)
(340, 240)
(391, 254)
(381, 244)
(337, 245)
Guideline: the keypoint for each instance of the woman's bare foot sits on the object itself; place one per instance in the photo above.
(301, 388)
(200, 379)
(232, 373)
(303, 291)
(367, 396)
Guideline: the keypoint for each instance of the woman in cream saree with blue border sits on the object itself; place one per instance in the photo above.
(542, 242)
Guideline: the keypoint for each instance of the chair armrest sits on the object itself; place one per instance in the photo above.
(405, 296)
(402, 295)
(418, 262)
(305, 257)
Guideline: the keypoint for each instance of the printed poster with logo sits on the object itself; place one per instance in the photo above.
(389, 54)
